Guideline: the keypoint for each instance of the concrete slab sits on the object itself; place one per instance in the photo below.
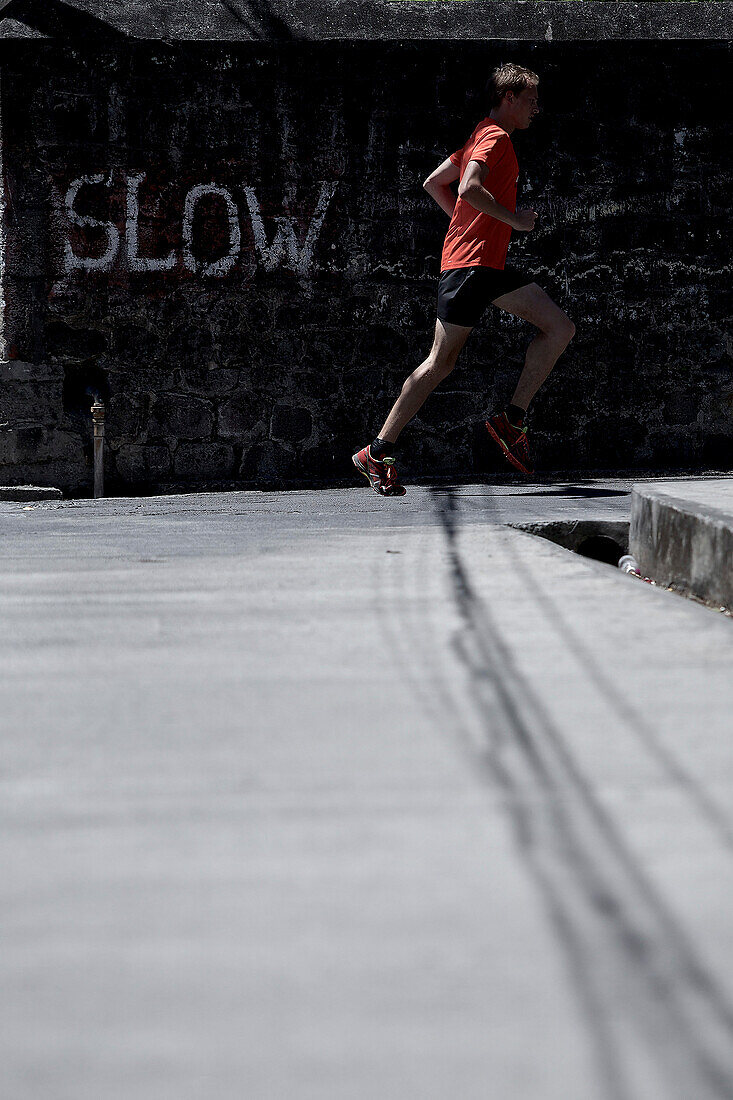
(319, 796)
(682, 536)
(29, 492)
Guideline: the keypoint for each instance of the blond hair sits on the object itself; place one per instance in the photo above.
(509, 78)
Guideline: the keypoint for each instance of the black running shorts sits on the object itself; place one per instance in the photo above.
(465, 292)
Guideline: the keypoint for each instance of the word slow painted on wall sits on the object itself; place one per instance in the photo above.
(291, 246)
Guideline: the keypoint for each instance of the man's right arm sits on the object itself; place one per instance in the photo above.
(438, 185)
(471, 189)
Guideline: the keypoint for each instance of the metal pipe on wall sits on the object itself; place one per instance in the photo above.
(98, 420)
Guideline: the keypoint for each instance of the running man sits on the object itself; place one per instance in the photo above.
(473, 273)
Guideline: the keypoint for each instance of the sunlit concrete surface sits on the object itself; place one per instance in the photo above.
(321, 796)
(712, 492)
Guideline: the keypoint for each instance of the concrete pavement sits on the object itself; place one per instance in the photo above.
(318, 795)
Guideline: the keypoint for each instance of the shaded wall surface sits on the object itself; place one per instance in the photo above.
(232, 247)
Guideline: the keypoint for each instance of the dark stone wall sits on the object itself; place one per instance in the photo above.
(278, 191)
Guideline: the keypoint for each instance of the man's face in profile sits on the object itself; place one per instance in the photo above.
(524, 106)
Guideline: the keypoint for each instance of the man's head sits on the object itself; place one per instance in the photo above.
(512, 93)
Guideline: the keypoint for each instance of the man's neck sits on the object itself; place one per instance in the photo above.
(497, 115)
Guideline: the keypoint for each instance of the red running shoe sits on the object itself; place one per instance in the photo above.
(380, 472)
(511, 441)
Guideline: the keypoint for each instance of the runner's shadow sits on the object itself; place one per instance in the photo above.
(577, 491)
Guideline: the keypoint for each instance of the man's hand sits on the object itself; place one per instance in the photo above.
(524, 220)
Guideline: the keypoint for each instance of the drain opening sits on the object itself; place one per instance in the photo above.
(606, 541)
(602, 540)
(601, 548)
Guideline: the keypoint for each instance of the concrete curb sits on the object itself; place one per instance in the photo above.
(683, 544)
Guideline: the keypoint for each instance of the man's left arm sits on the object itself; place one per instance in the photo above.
(438, 183)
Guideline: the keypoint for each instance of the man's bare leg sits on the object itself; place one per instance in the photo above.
(556, 332)
(447, 343)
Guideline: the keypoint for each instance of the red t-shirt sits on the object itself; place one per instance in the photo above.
(475, 239)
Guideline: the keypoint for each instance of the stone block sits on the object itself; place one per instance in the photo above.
(66, 477)
(199, 462)
(20, 445)
(290, 423)
(268, 462)
(40, 402)
(210, 380)
(242, 415)
(189, 343)
(681, 408)
(16, 370)
(71, 120)
(127, 416)
(717, 451)
(66, 341)
(142, 462)
(66, 448)
(134, 342)
(181, 416)
(39, 444)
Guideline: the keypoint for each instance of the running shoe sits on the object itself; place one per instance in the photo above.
(511, 441)
(380, 472)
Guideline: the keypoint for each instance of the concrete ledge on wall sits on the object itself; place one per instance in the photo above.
(369, 20)
(30, 492)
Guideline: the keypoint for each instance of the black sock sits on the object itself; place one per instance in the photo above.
(381, 447)
(515, 415)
